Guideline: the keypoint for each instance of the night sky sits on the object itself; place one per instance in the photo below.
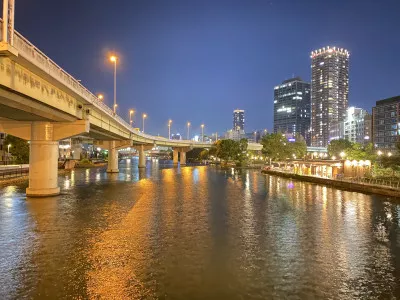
(198, 60)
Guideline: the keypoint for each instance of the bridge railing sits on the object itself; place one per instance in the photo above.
(31, 53)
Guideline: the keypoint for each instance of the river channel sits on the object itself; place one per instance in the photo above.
(196, 233)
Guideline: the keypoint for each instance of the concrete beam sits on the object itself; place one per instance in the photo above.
(16, 128)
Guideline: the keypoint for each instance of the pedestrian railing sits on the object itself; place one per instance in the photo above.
(14, 172)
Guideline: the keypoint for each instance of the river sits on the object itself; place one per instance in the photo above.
(196, 233)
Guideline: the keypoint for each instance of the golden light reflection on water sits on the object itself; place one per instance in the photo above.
(196, 232)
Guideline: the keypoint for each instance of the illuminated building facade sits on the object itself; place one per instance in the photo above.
(386, 123)
(329, 92)
(238, 120)
(292, 107)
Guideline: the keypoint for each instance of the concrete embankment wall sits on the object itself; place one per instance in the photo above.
(344, 185)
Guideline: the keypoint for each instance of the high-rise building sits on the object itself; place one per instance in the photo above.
(386, 123)
(356, 128)
(238, 120)
(329, 91)
(292, 107)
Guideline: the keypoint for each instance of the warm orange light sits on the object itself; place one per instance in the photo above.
(100, 96)
(170, 121)
(113, 58)
(188, 123)
(144, 116)
(131, 111)
(202, 125)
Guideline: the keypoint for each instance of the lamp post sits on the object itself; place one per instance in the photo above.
(202, 132)
(188, 128)
(8, 148)
(144, 116)
(130, 116)
(255, 136)
(113, 59)
(169, 129)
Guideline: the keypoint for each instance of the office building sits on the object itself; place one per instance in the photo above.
(329, 92)
(386, 123)
(356, 127)
(238, 120)
(292, 101)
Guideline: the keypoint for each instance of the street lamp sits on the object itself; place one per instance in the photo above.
(380, 153)
(188, 128)
(8, 148)
(202, 132)
(130, 116)
(144, 116)
(333, 157)
(169, 129)
(255, 136)
(100, 97)
(342, 154)
(113, 59)
(390, 154)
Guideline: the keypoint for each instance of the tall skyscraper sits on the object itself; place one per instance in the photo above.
(238, 120)
(329, 91)
(292, 107)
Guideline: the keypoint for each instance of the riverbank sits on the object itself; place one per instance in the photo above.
(344, 185)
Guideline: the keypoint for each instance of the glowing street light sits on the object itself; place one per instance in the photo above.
(113, 59)
(342, 154)
(334, 157)
(390, 154)
(100, 97)
(202, 132)
(188, 129)
(169, 129)
(380, 153)
(144, 116)
(130, 116)
(255, 136)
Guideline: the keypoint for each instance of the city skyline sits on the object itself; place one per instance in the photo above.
(214, 61)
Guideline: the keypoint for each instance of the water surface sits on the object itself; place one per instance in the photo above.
(196, 233)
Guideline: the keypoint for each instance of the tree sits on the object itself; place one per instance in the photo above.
(298, 148)
(336, 147)
(228, 149)
(19, 149)
(360, 152)
(274, 146)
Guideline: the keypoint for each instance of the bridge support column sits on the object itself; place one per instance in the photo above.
(175, 156)
(183, 158)
(142, 157)
(76, 147)
(43, 160)
(112, 158)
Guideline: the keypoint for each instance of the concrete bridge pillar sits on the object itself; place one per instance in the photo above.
(43, 160)
(183, 158)
(175, 156)
(76, 147)
(112, 158)
(142, 157)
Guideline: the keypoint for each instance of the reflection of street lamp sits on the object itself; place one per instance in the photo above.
(342, 154)
(144, 116)
(169, 129)
(114, 60)
(188, 126)
(130, 116)
(202, 132)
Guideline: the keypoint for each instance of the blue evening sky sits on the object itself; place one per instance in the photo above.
(198, 60)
